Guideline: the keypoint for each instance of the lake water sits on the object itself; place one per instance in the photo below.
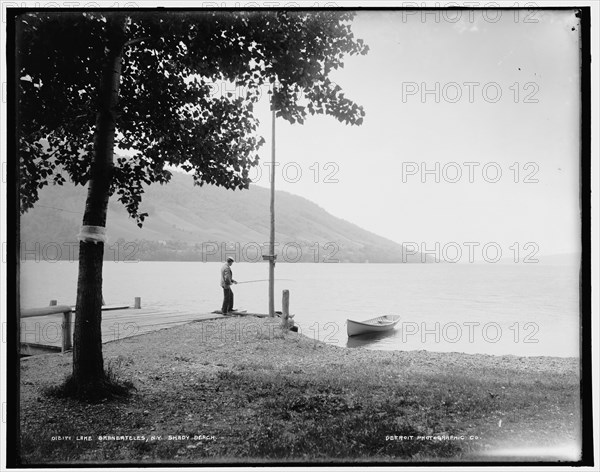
(521, 309)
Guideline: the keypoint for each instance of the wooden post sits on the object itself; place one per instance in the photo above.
(137, 302)
(53, 302)
(285, 308)
(66, 331)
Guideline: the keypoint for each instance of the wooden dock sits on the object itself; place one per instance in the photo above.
(43, 334)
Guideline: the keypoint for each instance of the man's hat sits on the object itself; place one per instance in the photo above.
(230, 259)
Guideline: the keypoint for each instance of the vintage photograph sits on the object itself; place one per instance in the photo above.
(291, 235)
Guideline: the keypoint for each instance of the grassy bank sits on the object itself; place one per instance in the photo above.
(250, 392)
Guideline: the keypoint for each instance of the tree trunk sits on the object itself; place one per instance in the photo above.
(88, 364)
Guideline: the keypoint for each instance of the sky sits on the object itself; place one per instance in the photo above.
(471, 132)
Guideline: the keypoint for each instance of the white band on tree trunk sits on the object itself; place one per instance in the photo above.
(92, 234)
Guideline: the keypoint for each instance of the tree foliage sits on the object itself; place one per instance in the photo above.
(168, 112)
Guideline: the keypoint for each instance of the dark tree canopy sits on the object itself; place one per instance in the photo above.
(168, 112)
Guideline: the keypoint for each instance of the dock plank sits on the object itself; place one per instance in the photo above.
(117, 324)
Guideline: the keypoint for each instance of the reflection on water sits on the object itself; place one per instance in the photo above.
(367, 339)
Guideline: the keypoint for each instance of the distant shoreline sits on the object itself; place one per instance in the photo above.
(502, 262)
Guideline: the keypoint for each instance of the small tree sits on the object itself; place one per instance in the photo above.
(144, 82)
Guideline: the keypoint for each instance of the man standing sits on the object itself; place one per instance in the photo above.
(226, 281)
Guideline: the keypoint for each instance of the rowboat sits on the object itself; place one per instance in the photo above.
(381, 323)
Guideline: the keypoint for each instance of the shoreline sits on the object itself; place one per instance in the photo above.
(294, 396)
(366, 341)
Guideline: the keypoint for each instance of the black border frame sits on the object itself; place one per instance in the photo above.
(13, 245)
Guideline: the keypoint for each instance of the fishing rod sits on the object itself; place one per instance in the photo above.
(261, 280)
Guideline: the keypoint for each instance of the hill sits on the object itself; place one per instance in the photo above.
(204, 223)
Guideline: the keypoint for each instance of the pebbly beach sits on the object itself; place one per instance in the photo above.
(242, 390)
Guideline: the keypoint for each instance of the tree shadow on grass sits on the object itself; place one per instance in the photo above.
(109, 387)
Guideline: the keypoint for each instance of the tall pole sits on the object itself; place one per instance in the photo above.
(272, 240)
